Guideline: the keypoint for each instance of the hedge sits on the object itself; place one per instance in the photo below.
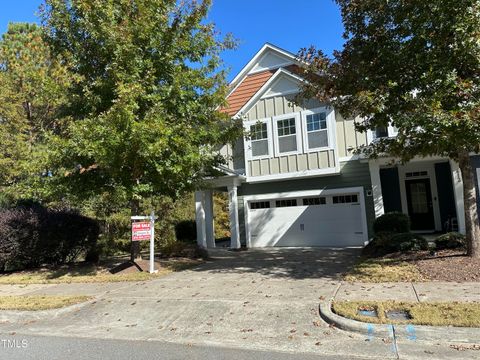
(32, 235)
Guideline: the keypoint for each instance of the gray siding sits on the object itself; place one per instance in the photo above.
(347, 138)
(281, 105)
(353, 174)
(234, 155)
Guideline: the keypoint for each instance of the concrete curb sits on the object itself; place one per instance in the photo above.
(403, 332)
(378, 330)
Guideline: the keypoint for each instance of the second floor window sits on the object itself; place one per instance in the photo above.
(259, 139)
(317, 136)
(381, 131)
(287, 138)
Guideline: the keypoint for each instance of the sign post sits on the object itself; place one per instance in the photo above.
(152, 239)
(144, 230)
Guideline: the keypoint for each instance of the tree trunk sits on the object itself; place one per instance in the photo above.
(472, 226)
(135, 245)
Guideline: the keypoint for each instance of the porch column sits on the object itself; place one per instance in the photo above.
(376, 188)
(233, 211)
(458, 192)
(209, 227)
(200, 219)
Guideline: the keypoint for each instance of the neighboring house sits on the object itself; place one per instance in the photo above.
(296, 181)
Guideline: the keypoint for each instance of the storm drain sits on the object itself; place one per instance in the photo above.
(368, 312)
(398, 315)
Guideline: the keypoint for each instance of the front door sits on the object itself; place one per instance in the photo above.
(420, 206)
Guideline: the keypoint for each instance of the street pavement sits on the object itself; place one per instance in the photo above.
(61, 348)
(255, 301)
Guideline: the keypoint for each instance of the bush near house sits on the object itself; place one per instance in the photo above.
(32, 235)
(451, 240)
(186, 230)
(392, 234)
(407, 242)
(393, 222)
(388, 242)
(221, 215)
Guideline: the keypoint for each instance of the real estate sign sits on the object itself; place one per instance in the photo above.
(141, 231)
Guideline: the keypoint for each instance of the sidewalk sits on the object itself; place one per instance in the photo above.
(411, 292)
(265, 300)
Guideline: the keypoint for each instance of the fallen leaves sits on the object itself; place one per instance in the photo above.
(462, 347)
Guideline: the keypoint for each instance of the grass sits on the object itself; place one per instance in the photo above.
(39, 302)
(435, 314)
(88, 273)
(383, 270)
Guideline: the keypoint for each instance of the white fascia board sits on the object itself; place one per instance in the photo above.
(264, 88)
(294, 175)
(229, 180)
(246, 69)
(389, 161)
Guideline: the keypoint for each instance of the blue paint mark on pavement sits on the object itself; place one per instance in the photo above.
(370, 330)
(411, 334)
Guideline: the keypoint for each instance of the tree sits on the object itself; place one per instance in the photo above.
(416, 65)
(32, 88)
(146, 118)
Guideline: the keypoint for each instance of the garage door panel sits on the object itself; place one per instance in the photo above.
(315, 225)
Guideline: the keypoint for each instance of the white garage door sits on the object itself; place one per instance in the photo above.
(332, 220)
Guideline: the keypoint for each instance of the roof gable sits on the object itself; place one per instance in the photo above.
(245, 90)
(270, 60)
(283, 85)
(254, 80)
(265, 83)
(267, 58)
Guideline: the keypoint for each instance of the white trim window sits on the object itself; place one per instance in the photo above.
(381, 132)
(287, 134)
(259, 144)
(259, 139)
(317, 129)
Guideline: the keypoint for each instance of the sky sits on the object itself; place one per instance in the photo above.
(289, 24)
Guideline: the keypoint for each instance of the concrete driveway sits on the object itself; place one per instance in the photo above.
(262, 300)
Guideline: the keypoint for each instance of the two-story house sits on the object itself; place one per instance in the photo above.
(295, 180)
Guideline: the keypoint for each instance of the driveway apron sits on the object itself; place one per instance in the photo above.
(257, 299)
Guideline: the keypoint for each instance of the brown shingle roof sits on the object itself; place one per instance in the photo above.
(247, 88)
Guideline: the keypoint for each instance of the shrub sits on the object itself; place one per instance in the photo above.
(377, 245)
(407, 242)
(387, 242)
(31, 235)
(393, 222)
(186, 230)
(221, 215)
(452, 240)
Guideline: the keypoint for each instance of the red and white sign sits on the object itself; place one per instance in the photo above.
(141, 231)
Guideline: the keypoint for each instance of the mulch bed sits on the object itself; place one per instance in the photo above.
(445, 265)
(129, 267)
